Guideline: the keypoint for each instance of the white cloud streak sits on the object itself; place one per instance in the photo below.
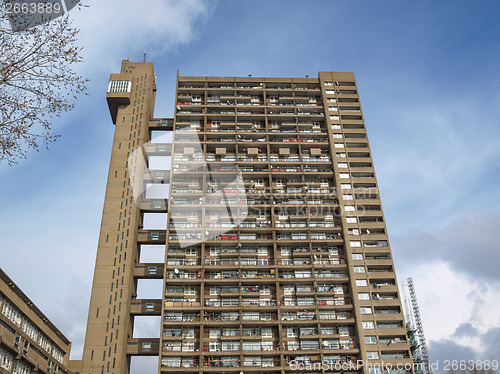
(111, 30)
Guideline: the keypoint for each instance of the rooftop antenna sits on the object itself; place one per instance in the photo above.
(145, 54)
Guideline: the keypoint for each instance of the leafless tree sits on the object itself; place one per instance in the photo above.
(37, 83)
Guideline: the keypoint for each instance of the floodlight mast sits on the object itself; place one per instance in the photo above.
(417, 320)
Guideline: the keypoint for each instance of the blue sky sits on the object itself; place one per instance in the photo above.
(428, 77)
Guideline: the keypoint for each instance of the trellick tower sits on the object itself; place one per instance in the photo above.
(276, 258)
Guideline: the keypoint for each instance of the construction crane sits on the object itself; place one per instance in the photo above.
(415, 330)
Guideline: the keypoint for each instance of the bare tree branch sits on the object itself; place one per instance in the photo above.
(37, 83)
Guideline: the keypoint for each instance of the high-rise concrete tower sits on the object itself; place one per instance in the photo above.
(276, 255)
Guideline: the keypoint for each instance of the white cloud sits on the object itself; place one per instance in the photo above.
(111, 30)
(457, 282)
(448, 298)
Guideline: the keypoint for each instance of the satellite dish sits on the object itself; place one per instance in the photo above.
(239, 245)
(176, 271)
(326, 343)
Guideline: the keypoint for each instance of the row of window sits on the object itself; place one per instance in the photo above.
(15, 316)
(7, 363)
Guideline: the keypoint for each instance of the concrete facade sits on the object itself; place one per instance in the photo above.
(29, 341)
(276, 254)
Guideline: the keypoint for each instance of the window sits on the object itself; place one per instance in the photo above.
(365, 310)
(324, 182)
(30, 329)
(264, 290)
(172, 362)
(336, 127)
(339, 145)
(11, 313)
(348, 197)
(341, 155)
(230, 332)
(349, 208)
(334, 118)
(361, 283)
(363, 296)
(370, 339)
(262, 251)
(214, 251)
(266, 332)
(309, 344)
(21, 368)
(190, 290)
(355, 243)
(327, 314)
(190, 251)
(368, 325)
(44, 342)
(342, 165)
(188, 346)
(303, 274)
(338, 290)
(289, 290)
(353, 232)
(332, 109)
(344, 175)
(119, 86)
(328, 83)
(330, 92)
(351, 220)
(359, 269)
(388, 325)
(357, 256)
(337, 136)
(6, 360)
(343, 330)
(214, 290)
(331, 100)
(259, 182)
(372, 355)
(251, 345)
(250, 316)
(231, 346)
(214, 333)
(345, 186)
(58, 355)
